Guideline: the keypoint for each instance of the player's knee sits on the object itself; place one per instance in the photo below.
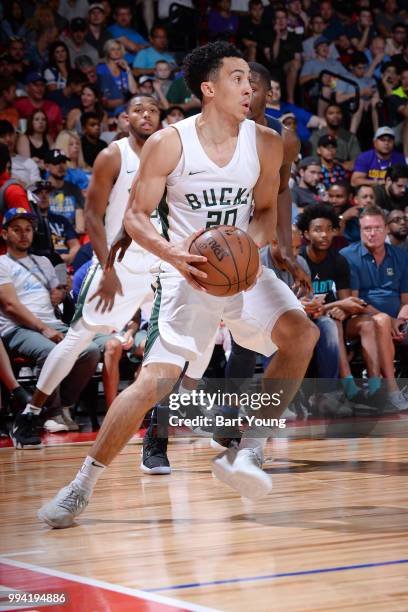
(294, 329)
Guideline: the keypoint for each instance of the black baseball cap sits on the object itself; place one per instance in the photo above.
(326, 141)
(40, 185)
(55, 156)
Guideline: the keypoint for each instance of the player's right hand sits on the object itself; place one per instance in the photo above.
(120, 244)
(180, 257)
(108, 287)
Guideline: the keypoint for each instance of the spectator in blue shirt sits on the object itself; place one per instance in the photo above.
(304, 120)
(145, 62)
(379, 276)
(122, 30)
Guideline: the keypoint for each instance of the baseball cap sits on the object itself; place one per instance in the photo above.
(18, 213)
(320, 40)
(145, 78)
(39, 185)
(327, 140)
(78, 24)
(96, 5)
(384, 131)
(34, 76)
(55, 156)
(309, 161)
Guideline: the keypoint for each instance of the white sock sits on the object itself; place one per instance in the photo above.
(88, 475)
(30, 409)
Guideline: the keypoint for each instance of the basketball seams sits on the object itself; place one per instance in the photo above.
(229, 284)
(231, 253)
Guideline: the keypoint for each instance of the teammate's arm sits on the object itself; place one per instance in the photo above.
(158, 159)
(105, 171)
(270, 151)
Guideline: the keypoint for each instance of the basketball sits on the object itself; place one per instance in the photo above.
(232, 260)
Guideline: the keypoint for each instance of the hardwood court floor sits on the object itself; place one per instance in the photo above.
(331, 536)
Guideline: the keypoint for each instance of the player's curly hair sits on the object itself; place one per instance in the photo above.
(316, 211)
(203, 63)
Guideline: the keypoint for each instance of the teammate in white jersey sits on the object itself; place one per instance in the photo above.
(129, 285)
(210, 179)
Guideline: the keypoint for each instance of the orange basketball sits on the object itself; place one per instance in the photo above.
(232, 260)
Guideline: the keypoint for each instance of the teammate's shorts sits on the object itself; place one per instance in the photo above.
(184, 321)
(136, 279)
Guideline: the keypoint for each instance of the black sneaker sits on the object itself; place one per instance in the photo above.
(24, 431)
(19, 398)
(154, 459)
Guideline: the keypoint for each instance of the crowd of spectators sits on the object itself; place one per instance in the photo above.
(338, 78)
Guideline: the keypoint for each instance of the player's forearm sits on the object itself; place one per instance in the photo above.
(284, 223)
(140, 228)
(97, 235)
(262, 228)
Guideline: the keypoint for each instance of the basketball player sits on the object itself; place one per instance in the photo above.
(222, 151)
(129, 284)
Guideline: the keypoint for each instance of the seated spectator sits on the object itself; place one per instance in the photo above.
(298, 20)
(311, 70)
(369, 97)
(68, 98)
(29, 291)
(123, 31)
(90, 141)
(88, 68)
(362, 31)
(350, 225)
(371, 166)
(348, 147)
(379, 276)
(286, 53)
(73, 8)
(145, 85)
(173, 114)
(62, 234)
(36, 142)
(97, 35)
(387, 18)
(23, 168)
(333, 26)
(338, 196)
(76, 43)
(305, 192)
(180, 95)
(390, 80)
(145, 60)
(397, 104)
(13, 22)
(304, 120)
(222, 25)
(255, 35)
(12, 194)
(400, 61)
(397, 229)
(376, 57)
(56, 73)
(394, 192)
(317, 25)
(90, 103)
(15, 58)
(332, 171)
(38, 53)
(66, 199)
(122, 126)
(35, 87)
(395, 44)
(8, 96)
(115, 78)
(161, 83)
(69, 143)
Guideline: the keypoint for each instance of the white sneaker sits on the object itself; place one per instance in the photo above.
(398, 400)
(55, 424)
(241, 469)
(61, 511)
(68, 420)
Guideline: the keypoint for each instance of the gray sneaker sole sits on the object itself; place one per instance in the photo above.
(245, 484)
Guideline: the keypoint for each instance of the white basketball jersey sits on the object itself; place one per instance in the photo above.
(201, 194)
(119, 196)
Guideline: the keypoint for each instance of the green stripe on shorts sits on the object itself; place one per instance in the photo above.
(86, 283)
(153, 330)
